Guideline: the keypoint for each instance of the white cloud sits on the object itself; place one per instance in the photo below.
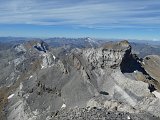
(95, 13)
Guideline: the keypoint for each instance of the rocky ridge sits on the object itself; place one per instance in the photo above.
(101, 78)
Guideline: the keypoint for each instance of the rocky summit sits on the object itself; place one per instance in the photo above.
(108, 81)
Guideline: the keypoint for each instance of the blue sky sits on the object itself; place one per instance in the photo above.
(126, 19)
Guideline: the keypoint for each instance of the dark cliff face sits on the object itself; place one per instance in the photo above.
(45, 83)
(130, 63)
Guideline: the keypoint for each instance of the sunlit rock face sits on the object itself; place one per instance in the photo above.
(151, 64)
(109, 55)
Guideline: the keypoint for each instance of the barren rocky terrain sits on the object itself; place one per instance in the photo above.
(94, 81)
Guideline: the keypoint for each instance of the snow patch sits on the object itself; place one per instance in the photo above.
(128, 117)
(143, 63)
(9, 97)
(42, 66)
(63, 106)
(157, 94)
(91, 40)
(135, 71)
(54, 57)
(30, 77)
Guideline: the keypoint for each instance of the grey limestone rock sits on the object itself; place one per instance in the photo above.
(91, 81)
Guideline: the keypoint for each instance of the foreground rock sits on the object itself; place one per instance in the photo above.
(100, 114)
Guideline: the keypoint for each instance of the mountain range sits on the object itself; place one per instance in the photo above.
(84, 78)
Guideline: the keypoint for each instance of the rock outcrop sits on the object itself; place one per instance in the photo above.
(109, 55)
(151, 64)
